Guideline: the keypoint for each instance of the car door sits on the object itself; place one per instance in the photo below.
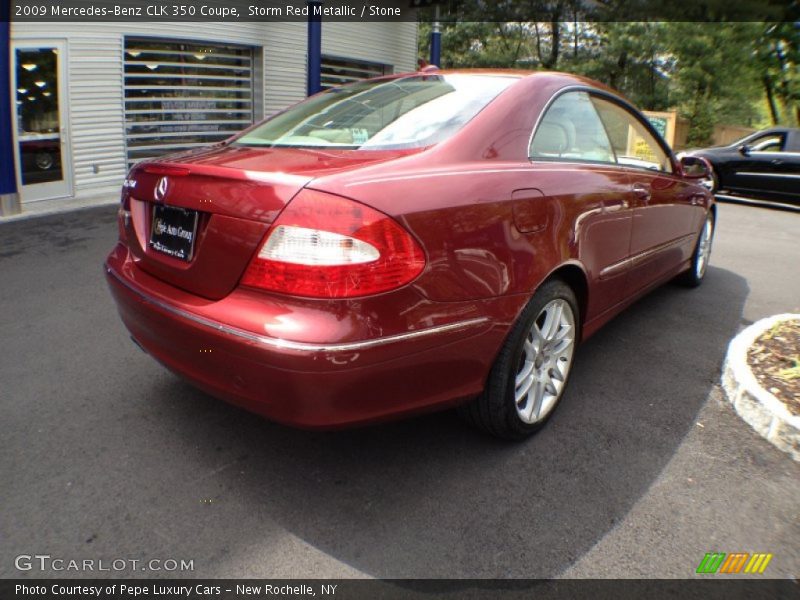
(665, 216)
(787, 167)
(750, 171)
(771, 165)
(575, 170)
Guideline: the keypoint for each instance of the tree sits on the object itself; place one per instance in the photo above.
(714, 78)
(778, 53)
(509, 34)
(713, 72)
(628, 57)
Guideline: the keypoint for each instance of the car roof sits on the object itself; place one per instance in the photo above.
(566, 79)
(792, 137)
(775, 130)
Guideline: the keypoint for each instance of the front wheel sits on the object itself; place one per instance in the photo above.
(530, 373)
(702, 252)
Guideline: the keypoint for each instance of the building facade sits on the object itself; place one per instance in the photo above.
(91, 99)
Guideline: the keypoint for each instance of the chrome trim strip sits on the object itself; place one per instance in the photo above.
(775, 153)
(612, 269)
(757, 202)
(298, 346)
(752, 174)
(641, 256)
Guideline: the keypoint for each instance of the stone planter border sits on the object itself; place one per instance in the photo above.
(770, 417)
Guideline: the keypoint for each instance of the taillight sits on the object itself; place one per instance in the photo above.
(125, 195)
(161, 169)
(325, 246)
(124, 211)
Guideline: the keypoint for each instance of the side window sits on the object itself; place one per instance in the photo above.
(633, 144)
(769, 143)
(571, 130)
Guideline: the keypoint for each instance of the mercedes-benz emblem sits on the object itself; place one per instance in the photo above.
(161, 188)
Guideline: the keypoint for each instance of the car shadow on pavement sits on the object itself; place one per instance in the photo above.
(430, 497)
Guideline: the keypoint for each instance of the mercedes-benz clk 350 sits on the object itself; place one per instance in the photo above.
(405, 244)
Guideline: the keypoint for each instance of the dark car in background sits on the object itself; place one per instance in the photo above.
(765, 164)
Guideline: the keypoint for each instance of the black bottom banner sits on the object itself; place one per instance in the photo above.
(391, 589)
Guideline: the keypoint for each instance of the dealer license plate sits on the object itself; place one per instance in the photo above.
(173, 231)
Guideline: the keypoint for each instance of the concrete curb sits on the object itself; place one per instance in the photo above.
(771, 419)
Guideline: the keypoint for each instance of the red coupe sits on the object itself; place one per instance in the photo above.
(407, 243)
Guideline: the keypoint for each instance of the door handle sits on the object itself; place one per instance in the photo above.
(777, 161)
(641, 191)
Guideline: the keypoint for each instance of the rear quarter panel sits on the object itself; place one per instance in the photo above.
(493, 229)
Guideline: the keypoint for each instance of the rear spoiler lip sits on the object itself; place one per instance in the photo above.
(178, 169)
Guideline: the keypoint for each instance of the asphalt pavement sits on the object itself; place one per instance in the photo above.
(106, 456)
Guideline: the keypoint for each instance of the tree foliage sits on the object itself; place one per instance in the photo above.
(743, 73)
(714, 78)
(778, 53)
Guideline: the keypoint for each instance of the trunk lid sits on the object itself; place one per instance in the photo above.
(236, 193)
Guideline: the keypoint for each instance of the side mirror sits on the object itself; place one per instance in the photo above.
(695, 167)
(744, 150)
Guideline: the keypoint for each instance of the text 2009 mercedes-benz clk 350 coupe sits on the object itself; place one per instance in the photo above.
(407, 243)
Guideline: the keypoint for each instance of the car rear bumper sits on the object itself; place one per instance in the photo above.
(317, 383)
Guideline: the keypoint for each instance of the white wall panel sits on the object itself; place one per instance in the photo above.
(388, 43)
(95, 53)
(284, 65)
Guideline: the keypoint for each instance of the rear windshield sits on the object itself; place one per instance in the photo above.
(381, 114)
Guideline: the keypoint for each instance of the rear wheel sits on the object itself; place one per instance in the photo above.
(531, 371)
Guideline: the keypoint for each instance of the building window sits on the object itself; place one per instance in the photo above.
(337, 71)
(180, 95)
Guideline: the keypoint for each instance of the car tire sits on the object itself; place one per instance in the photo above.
(44, 161)
(695, 274)
(533, 366)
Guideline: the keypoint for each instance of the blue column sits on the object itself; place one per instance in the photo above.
(9, 200)
(436, 41)
(314, 65)
(436, 45)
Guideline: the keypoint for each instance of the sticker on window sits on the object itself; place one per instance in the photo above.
(360, 135)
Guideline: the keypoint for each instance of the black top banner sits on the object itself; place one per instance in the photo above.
(402, 10)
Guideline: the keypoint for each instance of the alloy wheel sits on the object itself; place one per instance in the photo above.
(545, 362)
(704, 248)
